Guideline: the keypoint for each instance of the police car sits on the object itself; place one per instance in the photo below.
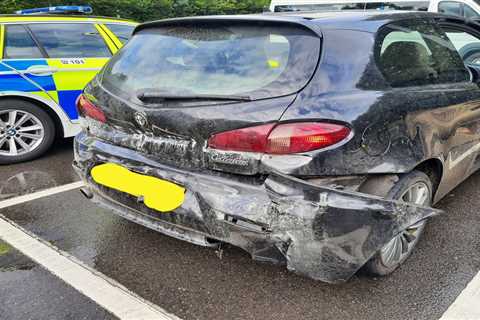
(46, 59)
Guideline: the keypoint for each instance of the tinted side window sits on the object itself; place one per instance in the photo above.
(80, 40)
(450, 7)
(468, 12)
(418, 53)
(19, 44)
(122, 31)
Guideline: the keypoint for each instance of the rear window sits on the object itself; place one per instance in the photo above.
(122, 31)
(70, 40)
(450, 7)
(255, 60)
(19, 44)
(469, 12)
(417, 52)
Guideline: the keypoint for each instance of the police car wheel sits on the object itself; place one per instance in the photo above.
(26, 131)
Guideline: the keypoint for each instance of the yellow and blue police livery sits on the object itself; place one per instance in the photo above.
(45, 62)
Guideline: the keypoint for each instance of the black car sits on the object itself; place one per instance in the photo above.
(320, 141)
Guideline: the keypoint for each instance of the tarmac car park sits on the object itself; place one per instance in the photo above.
(45, 62)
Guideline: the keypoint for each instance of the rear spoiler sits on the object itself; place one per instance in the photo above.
(233, 19)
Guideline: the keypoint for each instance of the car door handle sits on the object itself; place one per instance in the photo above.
(40, 70)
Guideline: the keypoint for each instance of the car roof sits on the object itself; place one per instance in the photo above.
(12, 18)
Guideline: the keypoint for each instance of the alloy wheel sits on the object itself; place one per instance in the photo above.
(399, 248)
(20, 132)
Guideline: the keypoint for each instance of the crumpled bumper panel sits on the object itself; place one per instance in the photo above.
(335, 233)
(318, 232)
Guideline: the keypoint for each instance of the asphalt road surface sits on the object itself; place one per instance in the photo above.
(199, 283)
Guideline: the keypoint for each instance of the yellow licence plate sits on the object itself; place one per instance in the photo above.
(157, 194)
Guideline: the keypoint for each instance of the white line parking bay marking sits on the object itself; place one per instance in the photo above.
(106, 292)
(40, 194)
(467, 305)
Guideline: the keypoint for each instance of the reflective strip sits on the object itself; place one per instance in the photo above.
(12, 80)
(75, 76)
(7, 73)
(2, 39)
(28, 19)
(111, 45)
(62, 81)
(42, 59)
(53, 95)
(79, 69)
(68, 99)
(112, 36)
(57, 80)
(53, 71)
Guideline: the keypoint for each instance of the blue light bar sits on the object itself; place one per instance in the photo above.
(58, 9)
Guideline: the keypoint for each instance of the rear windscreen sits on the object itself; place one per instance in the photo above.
(255, 60)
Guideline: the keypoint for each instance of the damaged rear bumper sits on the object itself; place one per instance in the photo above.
(319, 232)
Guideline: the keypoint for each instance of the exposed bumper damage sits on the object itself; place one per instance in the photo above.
(323, 233)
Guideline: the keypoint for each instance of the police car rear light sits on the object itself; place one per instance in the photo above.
(57, 9)
(87, 109)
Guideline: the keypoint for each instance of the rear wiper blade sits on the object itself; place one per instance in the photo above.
(158, 96)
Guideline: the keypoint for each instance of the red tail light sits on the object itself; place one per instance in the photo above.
(281, 139)
(88, 109)
(303, 137)
(252, 139)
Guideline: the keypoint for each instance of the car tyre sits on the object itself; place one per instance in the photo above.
(415, 187)
(470, 53)
(26, 131)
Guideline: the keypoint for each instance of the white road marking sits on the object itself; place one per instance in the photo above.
(467, 305)
(104, 291)
(40, 194)
(452, 163)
